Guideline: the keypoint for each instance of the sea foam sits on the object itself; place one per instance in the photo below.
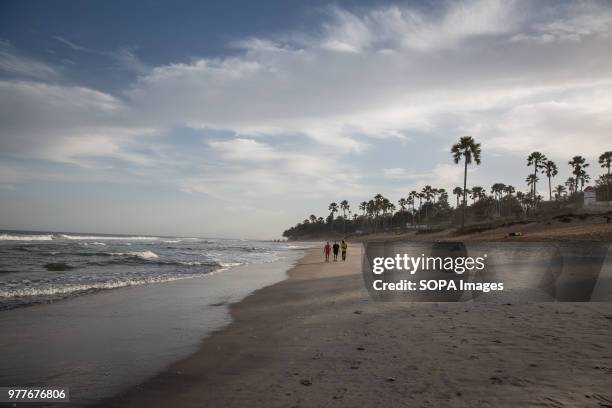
(8, 237)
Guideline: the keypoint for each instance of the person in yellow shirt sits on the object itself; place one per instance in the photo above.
(344, 247)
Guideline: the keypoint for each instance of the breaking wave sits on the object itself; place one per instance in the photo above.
(9, 237)
(103, 237)
(142, 254)
(69, 289)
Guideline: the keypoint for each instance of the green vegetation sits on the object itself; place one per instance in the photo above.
(429, 209)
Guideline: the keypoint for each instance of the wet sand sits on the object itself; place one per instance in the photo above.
(102, 343)
(316, 339)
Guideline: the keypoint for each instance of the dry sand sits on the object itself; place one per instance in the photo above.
(316, 339)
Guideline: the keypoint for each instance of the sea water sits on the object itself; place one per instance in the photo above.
(99, 313)
(43, 266)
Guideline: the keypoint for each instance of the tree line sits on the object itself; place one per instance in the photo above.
(430, 206)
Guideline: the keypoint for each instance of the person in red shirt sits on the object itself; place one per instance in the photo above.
(326, 251)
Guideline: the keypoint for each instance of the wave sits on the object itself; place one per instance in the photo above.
(230, 264)
(103, 237)
(172, 241)
(88, 287)
(142, 254)
(8, 237)
(295, 247)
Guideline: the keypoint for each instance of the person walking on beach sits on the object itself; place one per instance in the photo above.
(336, 249)
(326, 251)
(344, 247)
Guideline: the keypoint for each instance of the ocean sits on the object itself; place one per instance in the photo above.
(99, 313)
(40, 267)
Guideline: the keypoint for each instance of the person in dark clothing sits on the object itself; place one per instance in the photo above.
(336, 250)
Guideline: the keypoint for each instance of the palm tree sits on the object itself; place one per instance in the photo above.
(509, 190)
(458, 191)
(443, 195)
(412, 196)
(605, 161)
(313, 218)
(428, 193)
(531, 180)
(535, 159)
(333, 207)
(344, 206)
(469, 150)
(550, 169)
(378, 204)
(570, 183)
(363, 206)
(434, 192)
(578, 163)
(497, 190)
(477, 193)
(402, 203)
(559, 191)
(421, 196)
(584, 179)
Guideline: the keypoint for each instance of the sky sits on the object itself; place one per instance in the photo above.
(240, 119)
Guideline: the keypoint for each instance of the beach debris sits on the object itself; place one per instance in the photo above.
(390, 379)
(358, 312)
(515, 234)
(306, 382)
(360, 348)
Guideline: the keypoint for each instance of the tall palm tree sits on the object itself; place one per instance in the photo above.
(535, 159)
(469, 150)
(421, 196)
(333, 207)
(531, 180)
(578, 163)
(497, 190)
(344, 206)
(313, 218)
(402, 203)
(477, 193)
(550, 169)
(363, 206)
(605, 161)
(412, 196)
(428, 193)
(509, 190)
(458, 191)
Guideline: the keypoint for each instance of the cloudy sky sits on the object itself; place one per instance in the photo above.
(238, 119)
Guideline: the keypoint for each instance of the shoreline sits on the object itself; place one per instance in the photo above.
(316, 339)
(123, 336)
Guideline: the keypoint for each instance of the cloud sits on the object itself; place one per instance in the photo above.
(70, 44)
(125, 56)
(64, 123)
(303, 105)
(246, 168)
(13, 63)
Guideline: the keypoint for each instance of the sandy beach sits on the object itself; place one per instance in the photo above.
(316, 339)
